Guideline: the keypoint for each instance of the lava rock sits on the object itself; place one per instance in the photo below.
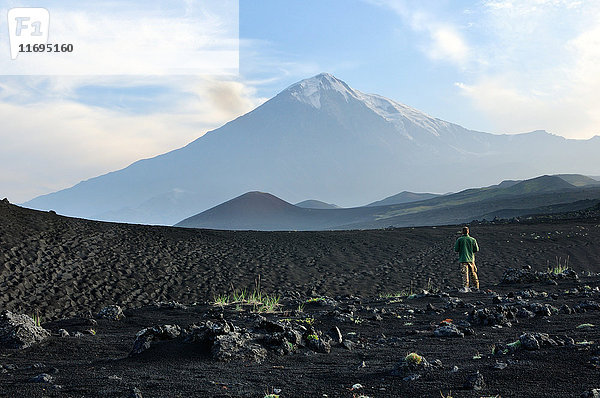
(145, 337)
(529, 342)
(237, 346)
(319, 344)
(335, 335)
(19, 331)
(595, 393)
(111, 312)
(499, 315)
(41, 378)
(533, 341)
(524, 313)
(565, 309)
(410, 365)
(448, 331)
(474, 381)
(500, 365)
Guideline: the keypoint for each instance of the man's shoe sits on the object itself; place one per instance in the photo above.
(464, 290)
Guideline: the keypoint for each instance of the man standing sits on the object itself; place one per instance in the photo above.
(466, 246)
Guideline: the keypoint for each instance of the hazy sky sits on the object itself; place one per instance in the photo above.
(489, 65)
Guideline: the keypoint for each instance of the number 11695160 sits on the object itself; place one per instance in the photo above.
(46, 48)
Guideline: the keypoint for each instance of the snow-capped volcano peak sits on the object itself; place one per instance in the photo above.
(309, 90)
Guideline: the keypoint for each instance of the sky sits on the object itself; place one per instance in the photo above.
(489, 65)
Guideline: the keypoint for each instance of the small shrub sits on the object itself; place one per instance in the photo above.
(413, 358)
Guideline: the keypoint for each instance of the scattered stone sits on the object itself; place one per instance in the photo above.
(565, 309)
(454, 302)
(111, 312)
(335, 335)
(348, 344)
(356, 386)
(499, 315)
(542, 309)
(595, 393)
(412, 377)
(41, 378)
(500, 365)
(145, 337)
(448, 331)
(474, 381)
(524, 313)
(534, 341)
(411, 365)
(135, 393)
(19, 331)
(318, 344)
(237, 346)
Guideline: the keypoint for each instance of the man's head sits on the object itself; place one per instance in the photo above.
(465, 231)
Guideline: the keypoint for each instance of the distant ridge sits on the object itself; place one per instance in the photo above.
(263, 211)
(540, 185)
(579, 180)
(403, 197)
(316, 204)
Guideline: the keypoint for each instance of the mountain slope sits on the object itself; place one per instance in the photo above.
(316, 204)
(318, 138)
(403, 197)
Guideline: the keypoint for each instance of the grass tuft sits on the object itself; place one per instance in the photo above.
(560, 267)
(37, 320)
(261, 302)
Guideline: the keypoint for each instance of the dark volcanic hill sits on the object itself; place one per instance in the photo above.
(319, 138)
(253, 210)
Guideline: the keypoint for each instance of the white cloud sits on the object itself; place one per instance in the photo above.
(50, 144)
(189, 37)
(541, 72)
(442, 41)
(448, 44)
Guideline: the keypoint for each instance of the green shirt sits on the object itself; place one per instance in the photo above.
(466, 247)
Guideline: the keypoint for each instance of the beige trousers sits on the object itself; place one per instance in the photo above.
(465, 270)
